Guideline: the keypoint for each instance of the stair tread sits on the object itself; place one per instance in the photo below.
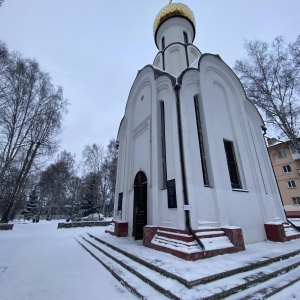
(146, 290)
(267, 288)
(211, 288)
(221, 242)
(249, 278)
(289, 231)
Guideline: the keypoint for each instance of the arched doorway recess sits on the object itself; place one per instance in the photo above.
(140, 205)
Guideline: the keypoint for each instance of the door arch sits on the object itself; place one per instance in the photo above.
(140, 205)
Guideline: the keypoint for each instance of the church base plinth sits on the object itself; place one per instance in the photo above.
(118, 229)
(281, 232)
(182, 244)
(235, 236)
(148, 234)
(121, 229)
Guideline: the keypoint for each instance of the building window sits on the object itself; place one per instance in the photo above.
(232, 165)
(163, 43)
(291, 184)
(296, 200)
(120, 201)
(294, 150)
(201, 143)
(185, 37)
(286, 169)
(282, 153)
(163, 144)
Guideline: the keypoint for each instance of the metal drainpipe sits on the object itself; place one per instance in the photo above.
(183, 175)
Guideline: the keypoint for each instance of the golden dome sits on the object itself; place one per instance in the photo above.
(173, 10)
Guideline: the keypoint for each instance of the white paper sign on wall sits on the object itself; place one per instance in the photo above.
(187, 207)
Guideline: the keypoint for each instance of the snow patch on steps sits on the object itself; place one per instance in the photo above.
(192, 247)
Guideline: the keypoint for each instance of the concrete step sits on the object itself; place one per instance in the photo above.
(135, 281)
(261, 278)
(290, 231)
(268, 288)
(255, 281)
(182, 244)
(162, 232)
(210, 243)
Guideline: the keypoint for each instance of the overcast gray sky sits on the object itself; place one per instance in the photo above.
(94, 48)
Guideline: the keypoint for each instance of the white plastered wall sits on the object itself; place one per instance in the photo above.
(226, 118)
(204, 209)
(169, 217)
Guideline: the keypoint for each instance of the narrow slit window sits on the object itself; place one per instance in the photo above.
(201, 142)
(163, 43)
(163, 144)
(120, 201)
(232, 165)
(185, 37)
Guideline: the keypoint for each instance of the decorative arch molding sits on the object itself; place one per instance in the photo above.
(145, 83)
(175, 47)
(194, 50)
(190, 77)
(175, 59)
(228, 81)
(215, 62)
(122, 127)
(253, 112)
(164, 83)
(138, 85)
(158, 61)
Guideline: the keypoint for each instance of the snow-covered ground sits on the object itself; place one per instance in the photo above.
(40, 262)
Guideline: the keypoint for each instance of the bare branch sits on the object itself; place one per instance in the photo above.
(270, 75)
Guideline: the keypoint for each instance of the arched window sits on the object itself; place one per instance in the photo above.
(163, 144)
(163, 43)
(201, 142)
(232, 165)
(185, 37)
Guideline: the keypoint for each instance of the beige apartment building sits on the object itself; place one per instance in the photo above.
(286, 164)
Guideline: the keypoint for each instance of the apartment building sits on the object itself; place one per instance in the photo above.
(286, 164)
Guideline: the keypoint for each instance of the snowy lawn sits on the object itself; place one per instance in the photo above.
(40, 262)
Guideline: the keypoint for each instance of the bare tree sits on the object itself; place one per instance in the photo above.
(111, 160)
(93, 157)
(1, 2)
(101, 165)
(93, 160)
(270, 75)
(58, 186)
(31, 113)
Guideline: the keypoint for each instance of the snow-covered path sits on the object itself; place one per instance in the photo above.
(40, 262)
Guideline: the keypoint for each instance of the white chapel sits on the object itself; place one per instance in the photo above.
(193, 167)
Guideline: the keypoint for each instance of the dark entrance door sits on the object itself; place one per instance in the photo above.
(140, 205)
